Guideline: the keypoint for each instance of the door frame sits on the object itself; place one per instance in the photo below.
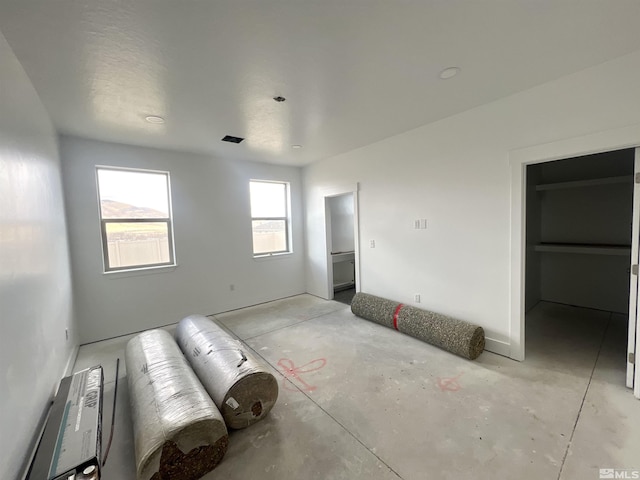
(519, 159)
(635, 295)
(338, 192)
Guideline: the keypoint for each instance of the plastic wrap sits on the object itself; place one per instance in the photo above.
(240, 384)
(455, 336)
(179, 433)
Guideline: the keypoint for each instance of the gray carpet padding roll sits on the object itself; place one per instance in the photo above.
(179, 433)
(455, 336)
(239, 383)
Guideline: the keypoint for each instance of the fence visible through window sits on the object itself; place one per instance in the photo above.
(270, 217)
(135, 218)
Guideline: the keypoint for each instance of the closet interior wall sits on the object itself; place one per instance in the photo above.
(579, 216)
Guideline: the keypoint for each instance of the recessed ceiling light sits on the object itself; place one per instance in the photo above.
(449, 72)
(296, 146)
(154, 119)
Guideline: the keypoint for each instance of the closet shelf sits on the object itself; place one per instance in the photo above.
(584, 249)
(585, 183)
(343, 257)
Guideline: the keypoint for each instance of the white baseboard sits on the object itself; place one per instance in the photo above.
(497, 346)
(68, 369)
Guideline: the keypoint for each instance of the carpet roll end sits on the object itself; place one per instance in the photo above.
(239, 383)
(179, 433)
(476, 343)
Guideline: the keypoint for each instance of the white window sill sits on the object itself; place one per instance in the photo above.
(136, 272)
(271, 256)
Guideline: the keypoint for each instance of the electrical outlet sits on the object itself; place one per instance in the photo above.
(417, 298)
(423, 223)
(372, 243)
(232, 287)
(416, 224)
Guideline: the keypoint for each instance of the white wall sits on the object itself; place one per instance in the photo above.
(35, 283)
(213, 244)
(456, 174)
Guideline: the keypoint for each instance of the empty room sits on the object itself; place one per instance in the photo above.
(304, 239)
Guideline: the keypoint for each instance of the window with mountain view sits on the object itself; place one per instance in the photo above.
(270, 217)
(135, 218)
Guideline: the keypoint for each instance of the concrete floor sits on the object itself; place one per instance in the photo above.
(345, 296)
(367, 402)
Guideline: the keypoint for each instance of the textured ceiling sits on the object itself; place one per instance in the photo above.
(352, 71)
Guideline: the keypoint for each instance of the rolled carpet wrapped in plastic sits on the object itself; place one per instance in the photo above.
(455, 336)
(239, 383)
(178, 431)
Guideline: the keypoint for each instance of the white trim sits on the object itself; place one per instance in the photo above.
(633, 370)
(271, 256)
(103, 232)
(133, 272)
(68, 369)
(286, 218)
(517, 253)
(337, 191)
(328, 242)
(356, 236)
(633, 294)
(605, 141)
(497, 346)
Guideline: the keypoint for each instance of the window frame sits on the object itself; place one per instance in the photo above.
(286, 219)
(105, 221)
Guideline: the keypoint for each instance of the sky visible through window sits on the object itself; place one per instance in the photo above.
(268, 199)
(140, 189)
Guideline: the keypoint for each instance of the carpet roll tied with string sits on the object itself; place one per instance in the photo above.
(240, 384)
(179, 433)
(456, 336)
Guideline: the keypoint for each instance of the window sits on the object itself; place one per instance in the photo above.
(135, 218)
(270, 217)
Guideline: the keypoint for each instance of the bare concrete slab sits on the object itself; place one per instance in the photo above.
(298, 440)
(358, 400)
(422, 409)
(252, 321)
(607, 433)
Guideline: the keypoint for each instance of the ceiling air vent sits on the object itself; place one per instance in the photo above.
(232, 139)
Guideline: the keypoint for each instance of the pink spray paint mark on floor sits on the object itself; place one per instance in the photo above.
(293, 373)
(449, 384)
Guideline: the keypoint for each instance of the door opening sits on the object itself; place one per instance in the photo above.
(580, 294)
(341, 246)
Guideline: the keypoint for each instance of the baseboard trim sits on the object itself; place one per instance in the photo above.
(497, 346)
(68, 369)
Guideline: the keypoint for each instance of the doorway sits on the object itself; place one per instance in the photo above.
(580, 242)
(340, 214)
